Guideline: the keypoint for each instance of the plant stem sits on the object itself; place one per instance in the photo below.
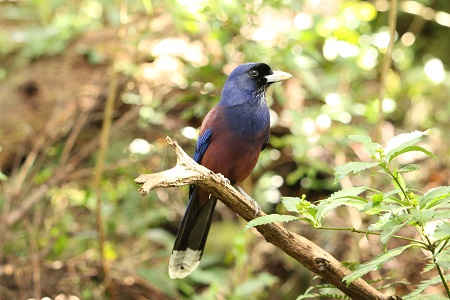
(428, 244)
(441, 274)
(443, 246)
(98, 172)
(373, 233)
(398, 183)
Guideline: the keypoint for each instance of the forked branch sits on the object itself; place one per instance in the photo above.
(311, 256)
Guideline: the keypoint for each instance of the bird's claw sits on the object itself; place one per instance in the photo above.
(256, 206)
(253, 201)
(224, 180)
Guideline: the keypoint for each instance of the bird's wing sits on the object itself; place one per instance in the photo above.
(212, 119)
(265, 144)
(202, 145)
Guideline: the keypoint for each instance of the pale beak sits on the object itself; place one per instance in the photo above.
(277, 76)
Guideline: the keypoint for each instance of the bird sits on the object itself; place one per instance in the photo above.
(232, 135)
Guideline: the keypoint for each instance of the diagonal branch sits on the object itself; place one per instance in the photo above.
(311, 256)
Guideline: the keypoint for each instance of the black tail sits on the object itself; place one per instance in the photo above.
(192, 234)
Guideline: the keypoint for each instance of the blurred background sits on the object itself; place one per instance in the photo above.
(163, 64)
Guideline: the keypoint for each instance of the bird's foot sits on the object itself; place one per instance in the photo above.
(225, 181)
(253, 201)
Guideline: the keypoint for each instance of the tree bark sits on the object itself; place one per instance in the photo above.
(311, 256)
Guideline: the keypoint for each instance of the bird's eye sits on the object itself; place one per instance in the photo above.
(253, 73)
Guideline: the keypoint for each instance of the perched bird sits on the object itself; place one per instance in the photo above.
(231, 137)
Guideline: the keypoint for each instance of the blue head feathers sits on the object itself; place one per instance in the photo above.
(247, 84)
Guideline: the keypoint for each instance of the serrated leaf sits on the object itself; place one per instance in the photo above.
(435, 197)
(324, 208)
(350, 192)
(382, 221)
(290, 203)
(389, 224)
(269, 219)
(343, 197)
(409, 168)
(428, 297)
(402, 141)
(389, 229)
(439, 214)
(422, 215)
(322, 295)
(372, 208)
(411, 149)
(351, 167)
(423, 286)
(443, 259)
(366, 141)
(375, 264)
(442, 231)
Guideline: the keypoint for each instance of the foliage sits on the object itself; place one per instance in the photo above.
(391, 210)
(172, 58)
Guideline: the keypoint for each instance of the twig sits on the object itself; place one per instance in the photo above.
(98, 171)
(34, 257)
(366, 232)
(387, 60)
(27, 204)
(311, 256)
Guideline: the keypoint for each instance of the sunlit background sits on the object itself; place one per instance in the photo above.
(171, 59)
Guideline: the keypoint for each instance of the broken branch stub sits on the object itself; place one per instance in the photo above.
(311, 256)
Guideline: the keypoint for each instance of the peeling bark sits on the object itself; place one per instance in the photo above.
(311, 256)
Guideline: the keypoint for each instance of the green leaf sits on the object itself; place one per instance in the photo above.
(372, 208)
(411, 149)
(303, 207)
(443, 259)
(442, 231)
(409, 168)
(423, 286)
(366, 141)
(435, 197)
(389, 229)
(389, 224)
(375, 264)
(428, 297)
(400, 142)
(269, 219)
(343, 197)
(399, 184)
(350, 192)
(291, 203)
(380, 223)
(422, 216)
(352, 167)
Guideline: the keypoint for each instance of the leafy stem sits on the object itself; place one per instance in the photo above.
(410, 201)
(352, 229)
(397, 181)
(395, 209)
(443, 246)
(441, 274)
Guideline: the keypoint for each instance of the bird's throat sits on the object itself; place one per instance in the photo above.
(249, 120)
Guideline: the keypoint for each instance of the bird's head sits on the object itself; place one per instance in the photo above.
(248, 83)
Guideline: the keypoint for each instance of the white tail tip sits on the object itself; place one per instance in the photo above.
(183, 263)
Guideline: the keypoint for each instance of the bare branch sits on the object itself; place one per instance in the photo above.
(311, 256)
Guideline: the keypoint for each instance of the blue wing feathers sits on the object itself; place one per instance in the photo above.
(202, 145)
